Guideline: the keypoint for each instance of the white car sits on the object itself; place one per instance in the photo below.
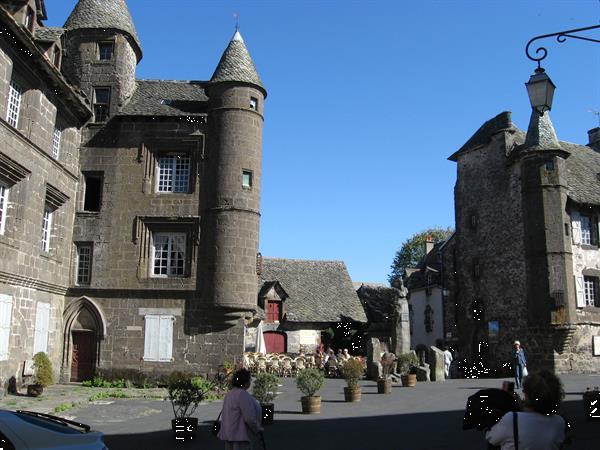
(31, 430)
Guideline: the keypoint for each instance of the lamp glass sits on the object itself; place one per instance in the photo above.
(540, 89)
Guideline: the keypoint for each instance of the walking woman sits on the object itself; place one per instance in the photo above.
(519, 362)
(241, 414)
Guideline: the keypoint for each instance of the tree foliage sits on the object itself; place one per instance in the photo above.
(413, 249)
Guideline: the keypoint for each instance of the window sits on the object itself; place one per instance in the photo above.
(168, 254)
(56, 142)
(84, 263)
(253, 103)
(101, 104)
(42, 322)
(247, 179)
(158, 338)
(46, 229)
(56, 56)
(5, 321)
(590, 285)
(29, 19)
(273, 311)
(3, 206)
(173, 173)
(93, 184)
(15, 93)
(105, 51)
(588, 230)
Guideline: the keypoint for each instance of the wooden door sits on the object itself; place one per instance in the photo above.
(83, 362)
(272, 312)
(275, 342)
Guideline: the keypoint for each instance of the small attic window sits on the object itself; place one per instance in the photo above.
(105, 51)
(56, 57)
(549, 166)
(29, 19)
(253, 103)
(247, 179)
(598, 176)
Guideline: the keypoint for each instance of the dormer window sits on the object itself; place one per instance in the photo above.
(56, 57)
(29, 19)
(105, 51)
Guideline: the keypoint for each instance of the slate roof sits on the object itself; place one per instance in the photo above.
(104, 14)
(483, 135)
(378, 302)
(236, 64)
(319, 291)
(166, 98)
(48, 34)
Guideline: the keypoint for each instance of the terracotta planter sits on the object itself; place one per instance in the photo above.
(409, 380)
(352, 394)
(268, 410)
(384, 386)
(35, 390)
(185, 428)
(311, 405)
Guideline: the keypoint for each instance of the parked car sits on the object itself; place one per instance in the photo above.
(31, 430)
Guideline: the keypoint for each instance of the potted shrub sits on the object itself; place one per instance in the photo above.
(42, 376)
(352, 371)
(185, 395)
(384, 384)
(264, 390)
(407, 366)
(309, 381)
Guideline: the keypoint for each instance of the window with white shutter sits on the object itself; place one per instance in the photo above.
(158, 338)
(579, 290)
(5, 321)
(42, 323)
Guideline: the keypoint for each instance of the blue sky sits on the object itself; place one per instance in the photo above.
(367, 99)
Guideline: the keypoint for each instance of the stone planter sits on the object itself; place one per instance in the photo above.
(409, 380)
(34, 390)
(352, 394)
(184, 429)
(384, 386)
(311, 405)
(268, 410)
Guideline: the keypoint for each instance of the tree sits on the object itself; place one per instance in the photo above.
(413, 250)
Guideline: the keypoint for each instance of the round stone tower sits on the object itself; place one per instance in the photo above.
(101, 53)
(231, 200)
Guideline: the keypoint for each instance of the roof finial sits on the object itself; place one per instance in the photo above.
(237, 21)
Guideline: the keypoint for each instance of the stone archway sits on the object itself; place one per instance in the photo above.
(84, 329)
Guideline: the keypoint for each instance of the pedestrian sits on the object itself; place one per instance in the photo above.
(538, 426)
(447, 361)
(519, 362)
(241, 415)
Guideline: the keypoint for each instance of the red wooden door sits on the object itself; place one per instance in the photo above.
(83, 361)
(275, 342)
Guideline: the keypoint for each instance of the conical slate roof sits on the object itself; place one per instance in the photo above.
(236, 64)
(104, 14)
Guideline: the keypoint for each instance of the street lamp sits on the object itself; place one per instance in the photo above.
(540, 89)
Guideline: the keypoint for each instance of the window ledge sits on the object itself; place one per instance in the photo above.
(51, 255)
(87, 213)
(589, 247)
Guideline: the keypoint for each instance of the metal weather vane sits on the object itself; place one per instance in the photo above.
(561, 37)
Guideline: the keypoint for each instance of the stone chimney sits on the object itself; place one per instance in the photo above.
(428, 244)
(594, 138)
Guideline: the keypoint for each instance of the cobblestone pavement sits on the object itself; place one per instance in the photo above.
(428, 416)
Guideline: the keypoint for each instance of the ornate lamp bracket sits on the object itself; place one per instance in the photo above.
(561, 37)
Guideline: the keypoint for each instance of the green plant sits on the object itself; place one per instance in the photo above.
(265, 387)
(185, 397)
(43, 369)
(227, 366)
(388, 362)
(109, 394)
(63, 407)
(407, 363)
(309, 381)
(352, 371)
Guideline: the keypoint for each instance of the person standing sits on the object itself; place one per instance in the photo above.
(519, 362)
(447, 361)
(241, 414)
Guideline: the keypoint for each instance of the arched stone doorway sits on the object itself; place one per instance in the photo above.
(85, 328)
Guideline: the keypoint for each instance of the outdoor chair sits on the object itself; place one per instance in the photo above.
(274, 367)
(261, 364)
(299, 364)
(286, 367)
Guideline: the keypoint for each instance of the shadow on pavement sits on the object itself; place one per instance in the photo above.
(432, 431)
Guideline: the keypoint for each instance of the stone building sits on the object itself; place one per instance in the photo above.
(299, 299)
(156, 208)
(525, 261)
(40, 118)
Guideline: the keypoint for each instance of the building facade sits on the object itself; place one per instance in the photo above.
(159, 211)
(524, 261)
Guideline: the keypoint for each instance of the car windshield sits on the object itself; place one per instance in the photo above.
(49, 422)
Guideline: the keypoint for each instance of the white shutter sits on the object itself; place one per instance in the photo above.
(5, 321)
(576, 228)
(165, 351)
(40, 334)
(151, 338)
(579, 292)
